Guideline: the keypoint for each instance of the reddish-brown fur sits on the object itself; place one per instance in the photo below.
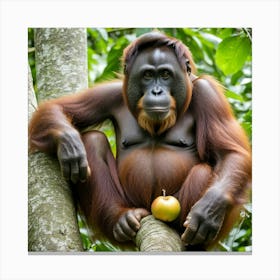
(133, 180)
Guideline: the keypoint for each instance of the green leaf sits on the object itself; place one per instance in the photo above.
(232, 53)
(233, 95)
(104, 246)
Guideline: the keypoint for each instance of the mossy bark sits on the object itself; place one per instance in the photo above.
(61, 61)
(61, 68)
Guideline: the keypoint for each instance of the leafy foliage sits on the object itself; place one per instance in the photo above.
(232, 53)
(224, 53)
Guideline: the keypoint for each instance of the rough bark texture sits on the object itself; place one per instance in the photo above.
(61, 61)
(32, 101)
(52, 221)
(61, 67)
(156, 236)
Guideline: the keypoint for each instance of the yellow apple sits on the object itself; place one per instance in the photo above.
(166, 208)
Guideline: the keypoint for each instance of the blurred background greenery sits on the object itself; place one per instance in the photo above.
(225, 53)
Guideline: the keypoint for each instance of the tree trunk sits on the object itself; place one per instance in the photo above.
(61, 61)
(156, 236)
(61, 67)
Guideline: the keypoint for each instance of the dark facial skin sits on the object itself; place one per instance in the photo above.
(155, 77)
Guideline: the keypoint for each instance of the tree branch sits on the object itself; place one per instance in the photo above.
(156, 236)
